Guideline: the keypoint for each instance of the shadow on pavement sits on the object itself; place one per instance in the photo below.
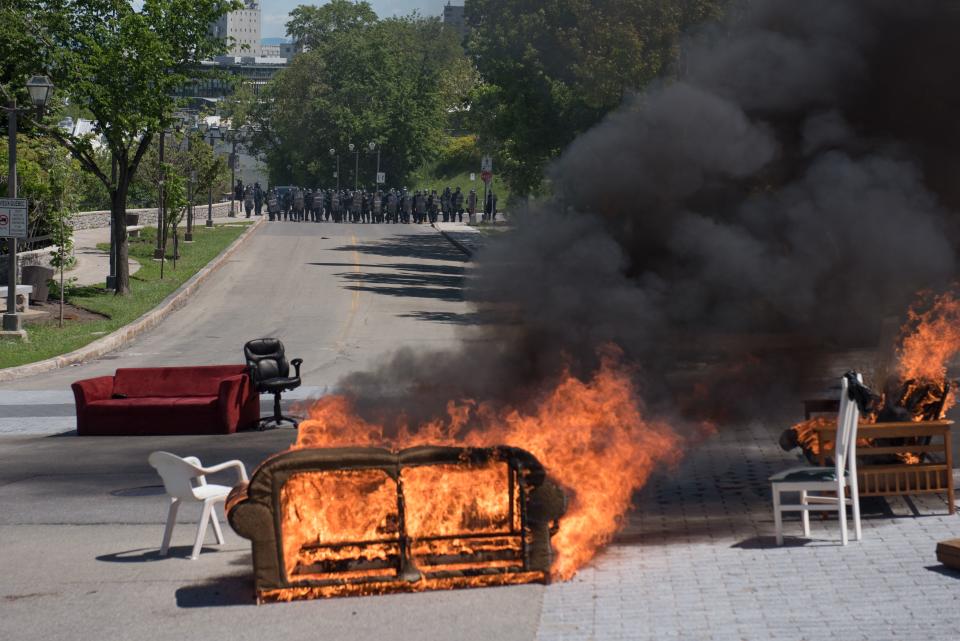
(451, 318)
(944, 570)
(452, 270)
(232, 589)
(770, 543)
(420, 246)
(146, 555)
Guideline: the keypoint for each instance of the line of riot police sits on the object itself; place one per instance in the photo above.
(392, 206)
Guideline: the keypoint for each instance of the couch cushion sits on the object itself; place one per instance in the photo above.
(154, 415)
(203, 380)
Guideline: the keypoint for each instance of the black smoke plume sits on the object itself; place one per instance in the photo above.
(795, 183)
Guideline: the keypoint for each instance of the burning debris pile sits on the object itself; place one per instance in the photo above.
(920, 389)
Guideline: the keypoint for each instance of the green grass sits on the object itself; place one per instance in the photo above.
(428, 178)
(146, 292)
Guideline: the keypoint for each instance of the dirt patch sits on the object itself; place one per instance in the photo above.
(49, 313)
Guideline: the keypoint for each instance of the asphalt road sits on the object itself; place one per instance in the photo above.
(81, 519)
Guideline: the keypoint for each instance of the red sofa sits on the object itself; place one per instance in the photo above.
(210, 399)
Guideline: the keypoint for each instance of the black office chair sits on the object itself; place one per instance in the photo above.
(270, 374)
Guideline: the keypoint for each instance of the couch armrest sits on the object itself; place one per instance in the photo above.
(230, 401)
(92, 389)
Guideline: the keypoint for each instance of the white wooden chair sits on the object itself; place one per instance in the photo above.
(836, 480)
(184, 479)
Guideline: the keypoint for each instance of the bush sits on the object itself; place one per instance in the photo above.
(458, 155)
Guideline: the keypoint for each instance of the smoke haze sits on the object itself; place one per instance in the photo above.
(797, 179)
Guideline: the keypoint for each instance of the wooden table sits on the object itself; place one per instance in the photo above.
(900, 479)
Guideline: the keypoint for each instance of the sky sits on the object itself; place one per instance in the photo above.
(274, 12)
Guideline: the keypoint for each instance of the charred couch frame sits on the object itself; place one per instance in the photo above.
(254, 512)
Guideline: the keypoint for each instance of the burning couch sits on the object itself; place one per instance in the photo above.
(347, 521)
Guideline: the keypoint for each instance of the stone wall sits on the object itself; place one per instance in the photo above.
(98, 219)
(101, 219)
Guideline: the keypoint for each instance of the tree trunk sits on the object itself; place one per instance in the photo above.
(118, 211)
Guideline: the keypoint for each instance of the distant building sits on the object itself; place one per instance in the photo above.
(242, 30)
(253, 71)
(454, 17)
(285, 50)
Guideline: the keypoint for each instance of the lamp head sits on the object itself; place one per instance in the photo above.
(41, 90)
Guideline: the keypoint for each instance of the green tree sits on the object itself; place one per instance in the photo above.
(122, 64)
(391, 82)
(310, 25)
(552, 70)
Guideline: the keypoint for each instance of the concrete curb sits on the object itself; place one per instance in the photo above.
(456, 243)
(125, 334)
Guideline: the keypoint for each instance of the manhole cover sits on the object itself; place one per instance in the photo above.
(146, 490)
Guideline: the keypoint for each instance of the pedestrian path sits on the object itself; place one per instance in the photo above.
(466, 237)
(93, 264)
(697, 562)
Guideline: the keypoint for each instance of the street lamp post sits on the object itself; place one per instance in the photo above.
(232, 133)
(204, 127)
(373, 146)
(158, 250)
(188, 235)
(356, 167)
(112, 276)
(40, 89)
(333, 152)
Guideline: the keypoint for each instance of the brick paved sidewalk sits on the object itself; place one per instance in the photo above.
(698, 561)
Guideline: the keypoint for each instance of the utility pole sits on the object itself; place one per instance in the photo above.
(11, 320)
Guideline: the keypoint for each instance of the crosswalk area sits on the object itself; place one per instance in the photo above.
(52, 412)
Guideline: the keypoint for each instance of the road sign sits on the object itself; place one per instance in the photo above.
(13, 217)
(486, 176)
(473, 177)
(381, 177)
(486, 164)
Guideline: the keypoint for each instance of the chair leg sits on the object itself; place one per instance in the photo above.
(777, 515)
(215, 522)
(201, 530)
(855, 504)
(168, 529)
(842, 507)
(804, 515)
(277, 416)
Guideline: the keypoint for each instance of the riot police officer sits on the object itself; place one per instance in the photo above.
(458, 204)
(258, 198)
(472, 206)
(406, 205)
(273, 205)
(248, 200)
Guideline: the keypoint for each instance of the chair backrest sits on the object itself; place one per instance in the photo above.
(845, 449)
(266, 358)
(177, 473)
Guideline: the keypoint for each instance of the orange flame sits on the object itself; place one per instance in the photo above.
(930, 338)
(591, 435)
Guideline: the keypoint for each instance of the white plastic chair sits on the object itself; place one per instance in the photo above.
(836, 480)
(184, 479)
